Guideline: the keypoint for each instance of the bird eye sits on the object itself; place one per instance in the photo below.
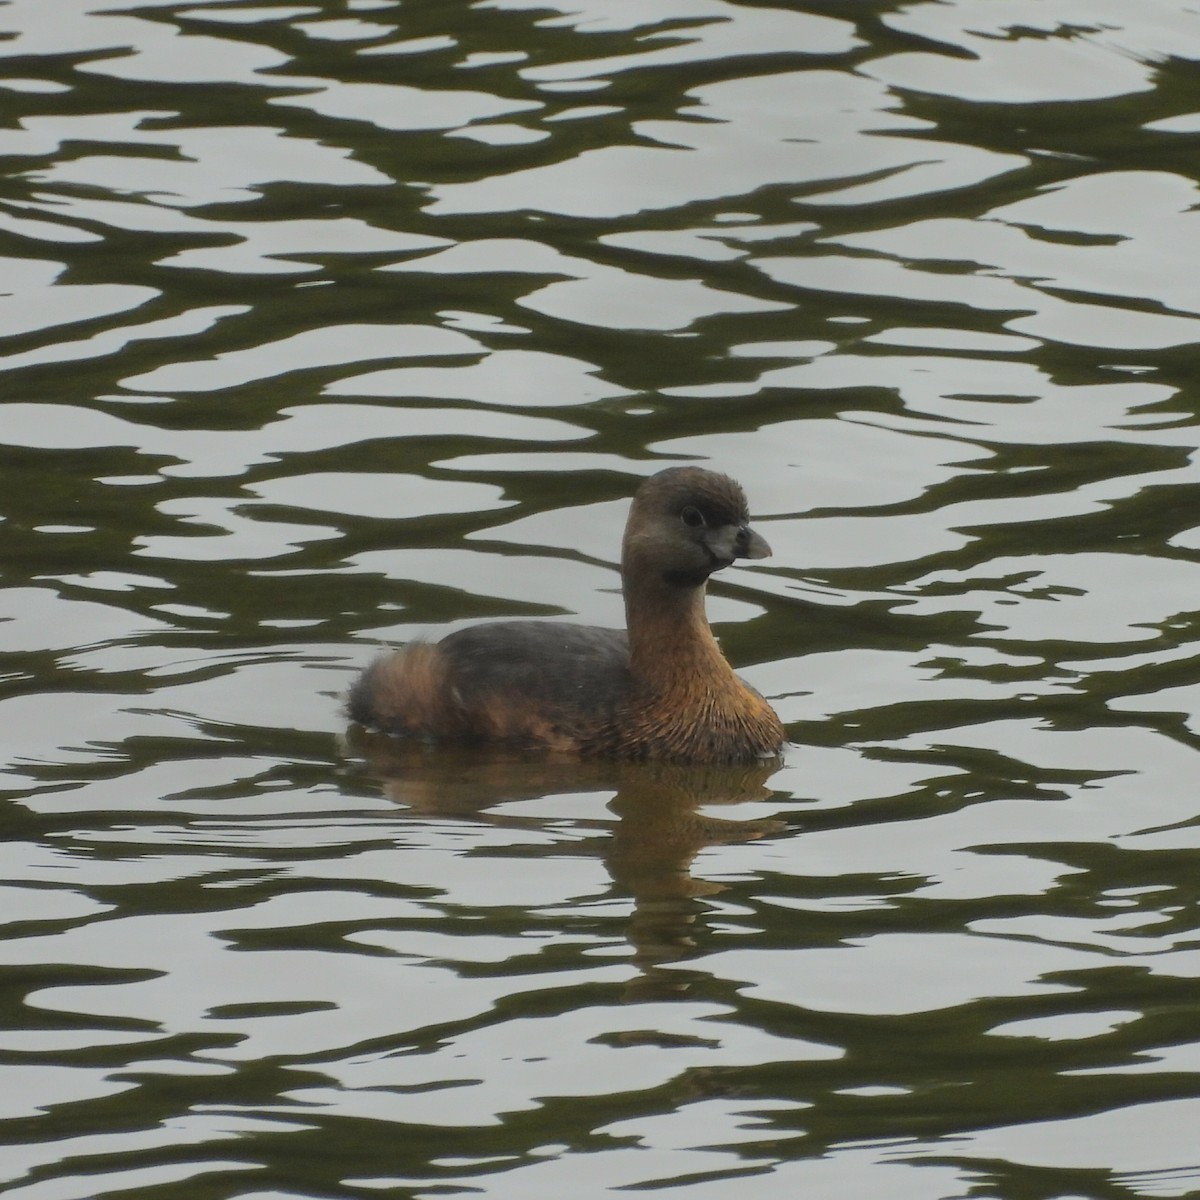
(693, 518)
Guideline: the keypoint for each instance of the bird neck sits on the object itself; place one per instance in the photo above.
(671, 646)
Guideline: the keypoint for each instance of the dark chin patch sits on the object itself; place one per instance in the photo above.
(687, 579)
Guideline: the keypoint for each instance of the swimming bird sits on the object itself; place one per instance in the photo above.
(661, 689)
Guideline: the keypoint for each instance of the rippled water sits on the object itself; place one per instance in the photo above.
(327, 324)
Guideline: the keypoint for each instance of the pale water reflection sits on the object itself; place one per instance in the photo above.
(328, 325)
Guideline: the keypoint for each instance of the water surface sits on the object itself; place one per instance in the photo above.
(327, 325)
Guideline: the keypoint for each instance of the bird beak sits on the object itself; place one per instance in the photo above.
(731, 542)
(751, 544)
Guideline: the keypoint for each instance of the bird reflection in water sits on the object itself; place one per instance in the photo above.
(649, 852)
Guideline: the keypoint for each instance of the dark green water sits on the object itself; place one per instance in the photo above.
(324, 325)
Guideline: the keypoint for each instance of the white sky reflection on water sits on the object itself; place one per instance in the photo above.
(324, 327)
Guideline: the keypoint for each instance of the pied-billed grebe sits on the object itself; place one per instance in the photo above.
(661, 691)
